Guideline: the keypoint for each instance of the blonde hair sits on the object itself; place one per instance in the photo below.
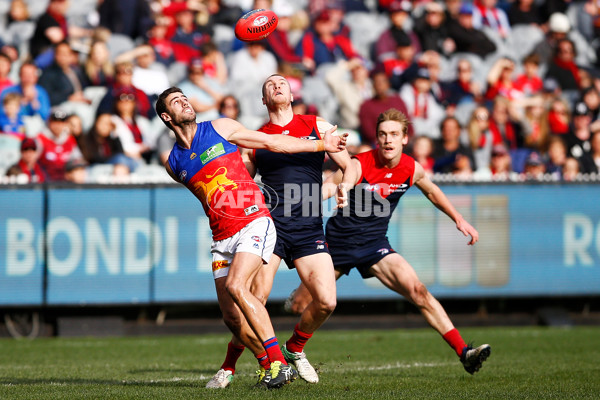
(393, 114)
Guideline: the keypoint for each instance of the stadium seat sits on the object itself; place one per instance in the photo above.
(365, 29)
(33, 125)
(522, 40)
(118, 44)
(10, 151)
(223, 37)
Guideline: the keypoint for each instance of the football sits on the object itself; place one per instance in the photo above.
(256, 25)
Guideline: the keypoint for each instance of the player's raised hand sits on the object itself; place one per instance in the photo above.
(334, 143)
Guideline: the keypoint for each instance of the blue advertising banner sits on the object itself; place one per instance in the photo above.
(152, 245)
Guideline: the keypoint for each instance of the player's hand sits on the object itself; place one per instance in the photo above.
(334, 143)
(468, 230)
(341, 196)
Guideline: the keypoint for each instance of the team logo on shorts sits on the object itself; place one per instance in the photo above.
(256, 239)
(383, 251)
(220, 264)
(182, 175)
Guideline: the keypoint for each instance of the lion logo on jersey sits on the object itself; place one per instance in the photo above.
(218, 181)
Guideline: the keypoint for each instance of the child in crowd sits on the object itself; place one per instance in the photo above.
(11, 122)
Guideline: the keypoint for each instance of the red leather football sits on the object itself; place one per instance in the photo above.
(256, 25)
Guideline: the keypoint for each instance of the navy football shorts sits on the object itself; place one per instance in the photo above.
(360, 256)
(298, 242)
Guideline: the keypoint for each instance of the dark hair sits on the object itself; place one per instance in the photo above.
(161, 104)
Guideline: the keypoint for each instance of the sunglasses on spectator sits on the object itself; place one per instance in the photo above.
(127, 97)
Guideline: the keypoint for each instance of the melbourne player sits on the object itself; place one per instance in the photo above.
(357, 234)
(206, 160)
(294, 184)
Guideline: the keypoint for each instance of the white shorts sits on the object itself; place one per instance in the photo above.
(258, 237)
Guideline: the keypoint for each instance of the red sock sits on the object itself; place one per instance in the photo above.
(453, 338)
(233, 353)
(297, 341)
(263, 360)
(273, 351)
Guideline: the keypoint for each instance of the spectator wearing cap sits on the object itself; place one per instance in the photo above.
(448, 149)
(578, 138)
(124, 80)
(28, 163)
(133, 130)
(563, 67)
(397, 34)
(350, 84)
(383, 99)
(148, 75)
(535, 167)
(500, 163)
(62, 80)
(320, 44)
(558, 29)
(432, 31)
(487, 14)
(57, 145)
(76, 171)
(424, 111)
(35, 99)
(467, 38)
(203, 92)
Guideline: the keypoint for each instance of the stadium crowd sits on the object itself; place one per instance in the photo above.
(495, 89)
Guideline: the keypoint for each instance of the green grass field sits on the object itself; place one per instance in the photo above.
(526, 363)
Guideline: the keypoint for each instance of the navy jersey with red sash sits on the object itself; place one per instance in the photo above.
(213, 170)
(293, 181)
(372, 201)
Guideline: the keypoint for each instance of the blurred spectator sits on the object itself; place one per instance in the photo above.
(132, 129)
(123, 80)
(229, 107)
(529, 82)
(166, 51)
(35, 100)
(423, 109)
(563, 68)
(557, 156)
(102, 146)
(5, 66)
(487, 14)
(422, 151)
(57, 145)
(203, 93)
(61, 80)
(11, 122)
(448, 149)
(52, 29)
(536, 129)
(279, 42)
(591, 97)
(321, 44)
(224, 13)
(403, 66)
(467, 38)
(500, 80)
(187, 31)
(578, 139)
(571, 169)
(148, 75)
(386, 44)
(559, 117)
(464, 89)
(98, 69)
(213, 62)
(126, 17)
(535, 168)
(76, 171)
(500, 164)
(349, 82)
(383, 99)
(431, 30)
(591, 161)
(28, 163)
(431, 60)
(248, 69)
(505, 125)
(524, 12)
(76, 128)
(481, 137)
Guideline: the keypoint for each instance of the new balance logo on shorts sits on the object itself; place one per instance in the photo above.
(320, 244)
(383, 251)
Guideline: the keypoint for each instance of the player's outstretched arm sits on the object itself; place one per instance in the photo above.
(439, 199)
(237, 134)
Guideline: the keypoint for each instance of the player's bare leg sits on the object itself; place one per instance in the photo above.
(398, 275)
(317, 275)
